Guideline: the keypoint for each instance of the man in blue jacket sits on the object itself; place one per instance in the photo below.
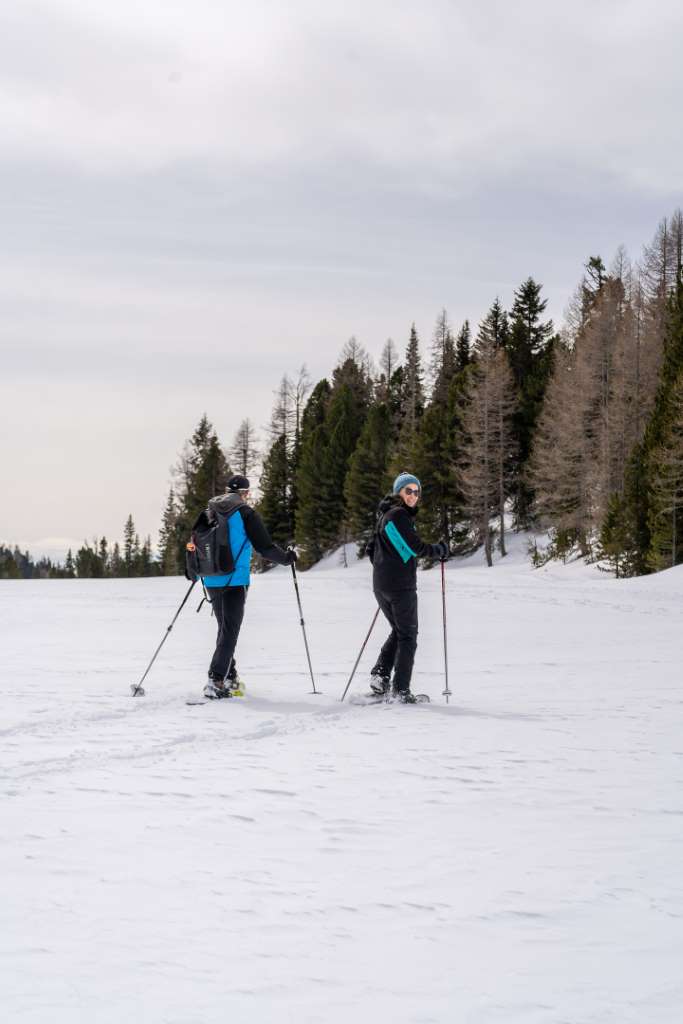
(395, 550)
(228, 592)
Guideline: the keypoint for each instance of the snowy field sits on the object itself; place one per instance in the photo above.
(513, 857)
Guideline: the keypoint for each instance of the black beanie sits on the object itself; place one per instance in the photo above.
(238, 483)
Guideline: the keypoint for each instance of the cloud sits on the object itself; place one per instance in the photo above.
(444, 88)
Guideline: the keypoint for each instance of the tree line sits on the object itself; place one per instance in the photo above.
(607, 465)
(93, 560)
(18, 565)
(461, 418)
(576, 434)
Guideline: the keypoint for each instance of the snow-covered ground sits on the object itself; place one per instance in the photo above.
(512, 857)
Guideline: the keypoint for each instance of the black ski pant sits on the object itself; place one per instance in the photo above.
(228, 607)
(398, 652)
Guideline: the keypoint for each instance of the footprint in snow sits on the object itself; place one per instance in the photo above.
(275, 792)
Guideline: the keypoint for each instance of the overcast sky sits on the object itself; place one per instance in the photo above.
(196, 198)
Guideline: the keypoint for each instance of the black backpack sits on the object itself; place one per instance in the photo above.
(208, 551)
(372, 543)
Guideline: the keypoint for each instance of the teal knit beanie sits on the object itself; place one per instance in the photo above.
(403, 479)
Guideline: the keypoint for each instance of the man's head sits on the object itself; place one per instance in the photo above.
(408, 488)
(238, 485)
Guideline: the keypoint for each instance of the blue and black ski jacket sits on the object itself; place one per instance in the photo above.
(246, 529)
(396, 547)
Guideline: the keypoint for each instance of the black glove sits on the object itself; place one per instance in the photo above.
(292, 556)
(441, 551)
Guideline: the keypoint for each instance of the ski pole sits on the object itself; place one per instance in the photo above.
(205, 598)
(136, 689)
(446, 692)
(303, 628)
(372, 626)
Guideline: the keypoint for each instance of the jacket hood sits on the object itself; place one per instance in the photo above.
(224, 504)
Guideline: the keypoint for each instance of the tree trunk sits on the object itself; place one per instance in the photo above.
(487, 538)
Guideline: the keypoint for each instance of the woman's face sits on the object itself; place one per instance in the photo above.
(410, 495)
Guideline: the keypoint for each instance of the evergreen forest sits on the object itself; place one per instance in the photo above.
(574, 434)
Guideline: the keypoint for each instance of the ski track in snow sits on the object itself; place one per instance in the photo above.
(512, 857)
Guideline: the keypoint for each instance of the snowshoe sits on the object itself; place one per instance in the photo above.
(236, 686)
(365, 699)
(406, 697)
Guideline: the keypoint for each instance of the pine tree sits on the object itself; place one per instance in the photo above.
(69, 565)
(355, 353)
(494, 329)
(354, 372)
(368, 478)
(529, 335)
(462, 347)
(282, 419)
(104, 557)
(388, 365)
(169, 541)
(343, 424)
(432, 453)
(615, 545)
(244, 453)
(206, 470)
(88, 563)
(443, 365)
(300, 392)
(310, 475)
(661, 269)
(332, 423)
(117, 564)
(275, 504)
(435, 452)
(611, 342)
(589, 441)
(412, 403)
(529, 351)
(137, 557)
(563, 455)
(211, 476)
(590, 423)
(488, 442)
(9, 569)
(661, 326)
(278, 483)
(146, 559)
(23, 562)
(129, 552)
(582, 301)
(202, 473)
(665, 513)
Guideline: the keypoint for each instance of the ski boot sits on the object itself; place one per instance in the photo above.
(216, 689)
(405, 697)
(380, 684)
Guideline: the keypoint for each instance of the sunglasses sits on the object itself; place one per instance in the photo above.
(413, 490)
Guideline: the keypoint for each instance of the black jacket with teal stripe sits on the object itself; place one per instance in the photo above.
(396, 547)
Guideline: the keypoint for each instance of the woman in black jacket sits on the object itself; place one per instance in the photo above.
(395, 549)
